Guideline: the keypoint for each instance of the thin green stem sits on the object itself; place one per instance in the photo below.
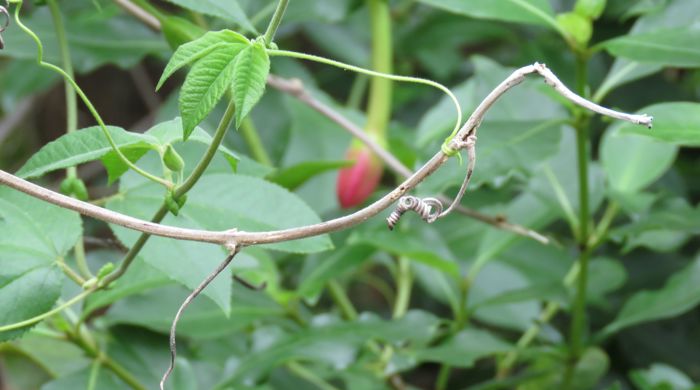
(406, 79)
(308, 375)
(71, 115)
(49, 313)
(275, 22)
(601, 231)
(187, 185)
(443, 377)
(94, 373)
(250, 134)
(578, 320)
(341, 299)
(379, 103)
(404, 283)
(357, 91)
(86, 101)
(68, 271)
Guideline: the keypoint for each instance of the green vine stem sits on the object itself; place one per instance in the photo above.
(404, 283)
(43, 316)
(71, 117)
(578, 319)
(84, 98)
(357, 69)
(275, 22)
(181, 190)
(252, 138)
(379, 103)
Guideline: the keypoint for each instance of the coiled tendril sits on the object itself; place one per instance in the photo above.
(6, 23)
(429, 209)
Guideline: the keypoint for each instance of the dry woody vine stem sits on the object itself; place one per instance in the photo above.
(233, 237)
(430, 209)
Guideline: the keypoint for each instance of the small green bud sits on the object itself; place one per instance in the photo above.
(79, 190)
(105, 270)
(171, 204)
(66, 187)
(173, 160)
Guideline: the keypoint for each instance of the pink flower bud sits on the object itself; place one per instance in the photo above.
(356, 183)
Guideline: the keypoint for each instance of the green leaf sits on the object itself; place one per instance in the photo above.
(537, 12)
(95, 38)
(660, 376)
(336, 265)
(34, 235)
(590, 8)
(676, 123)
(206, 83)
(296, 175)
(632, 162)
(192, 51)
(464, 348)
(680, 294)
(332, 342)
(674, 47)
(155, 309)
(225, 9)
(170, 132)
(82, 146)
(576, 26)
(249, 78)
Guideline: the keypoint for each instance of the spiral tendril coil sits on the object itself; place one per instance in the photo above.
(429, 209)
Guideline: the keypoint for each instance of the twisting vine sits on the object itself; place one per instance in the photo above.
(461, 137)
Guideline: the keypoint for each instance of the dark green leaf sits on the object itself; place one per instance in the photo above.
(538, 12)
(333, 266)
(680, 294)
(294, 176)
(225, 9)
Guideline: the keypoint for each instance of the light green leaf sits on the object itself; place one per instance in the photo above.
(632, 162)
(249, 78)
(225, 9)
(661, 376)
(590, 8)
(34, 235)
(82, 146)
(294, 176)
(576, 26)
(675, 123)
(192, 51)
(674, 47)
(622, 72)
(680, 294)
(465, 348)
(538, 12)
(206, 83)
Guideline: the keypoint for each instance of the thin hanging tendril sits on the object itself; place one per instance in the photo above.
(84, 98)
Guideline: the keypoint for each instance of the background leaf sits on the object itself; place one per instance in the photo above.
(34, 236)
